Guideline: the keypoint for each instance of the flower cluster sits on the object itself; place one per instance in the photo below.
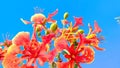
(70, 42)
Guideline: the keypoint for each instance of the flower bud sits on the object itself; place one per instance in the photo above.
(75, 42)
(47, 32)
(53, 65)
(53, 27)
(38, 33)
(80, 31)
(65, 15)
(75, 29)
(39, 28)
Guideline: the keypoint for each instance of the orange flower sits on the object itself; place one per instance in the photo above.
(75, 46)
(80, 54)
(33, 50)
(75, 56)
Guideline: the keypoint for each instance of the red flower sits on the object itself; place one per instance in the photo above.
(75, 46)
(33, 50)
(76, 56)
(78, 21)
(91, 38)
(80, 54)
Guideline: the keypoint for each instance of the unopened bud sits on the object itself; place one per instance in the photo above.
(53, 27)
(80, 31)
(39, 28)
(47, 32)
(65, 15)
(53, 65)
(38, 33)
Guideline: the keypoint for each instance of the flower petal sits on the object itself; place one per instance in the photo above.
(61, 43)
(25, 21)
(10, 59)
(97, 28)
(87, 55)
(63, 64)
(49, 19)
(29, 63)
(52, 55)
(21, 38)
(25, 66)
(38, 18)
(42, 60)
(47, 38)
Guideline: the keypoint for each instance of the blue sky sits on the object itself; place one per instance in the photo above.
(104, 11)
